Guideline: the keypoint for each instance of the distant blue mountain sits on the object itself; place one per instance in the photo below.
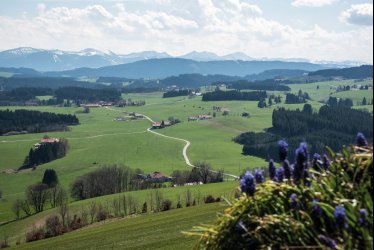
(163, 68)
(58, 60)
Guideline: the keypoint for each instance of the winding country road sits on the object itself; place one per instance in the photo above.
(188, 143)
(185, 149)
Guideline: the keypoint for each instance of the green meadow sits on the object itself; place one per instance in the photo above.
(18, 229)
(153, 231)
(99, 141)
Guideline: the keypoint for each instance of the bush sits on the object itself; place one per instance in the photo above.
(77, 222)
(35, 234)
(145, 208)
(101, 215)
(209, 199)
(53, 227)
(330, 208)
(166, 205)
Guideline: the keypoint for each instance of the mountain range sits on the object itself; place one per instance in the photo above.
(58, 60)
(163, 68)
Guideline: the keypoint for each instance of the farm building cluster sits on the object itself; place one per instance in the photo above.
(155, 177)
(160, 125)
(45, 141)
(97, 104)
(200, 118)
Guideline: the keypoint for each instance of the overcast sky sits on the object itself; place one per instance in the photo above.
(313, 29)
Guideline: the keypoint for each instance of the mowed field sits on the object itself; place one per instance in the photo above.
(18, 229)
(153, 231)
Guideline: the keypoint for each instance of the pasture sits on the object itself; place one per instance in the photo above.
(99, 140)
(153, 231)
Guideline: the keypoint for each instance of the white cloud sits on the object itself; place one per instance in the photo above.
(222, 27)
(40, 7)
(312, 3)
(358, 14)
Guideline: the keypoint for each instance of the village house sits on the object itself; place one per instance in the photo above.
(45, 141)
(200, 118)
(155, 177)
(91, 105)
(156, 125)
(160, 125)
(136, 116)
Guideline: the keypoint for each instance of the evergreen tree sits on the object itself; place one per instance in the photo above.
(50, 178)
(308, 109)
(270, 102)
(364, 102)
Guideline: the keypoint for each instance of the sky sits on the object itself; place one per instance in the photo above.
(330, 30)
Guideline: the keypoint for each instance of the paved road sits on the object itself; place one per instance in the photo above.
(188, 143)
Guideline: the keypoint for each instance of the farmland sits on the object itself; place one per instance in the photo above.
(154, 231)
(99, 141)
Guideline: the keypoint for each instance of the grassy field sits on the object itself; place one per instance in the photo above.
(327, 89)
(356, 95)
(19, 228)
(99, 140)
(153, 231)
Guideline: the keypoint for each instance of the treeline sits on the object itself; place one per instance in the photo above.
(34, 121)
(78, 94)
(27, 95)
(361, 72)
(270, 85)
(201, 173)
(333, 101)
(46, 152)
(297, 99)
(107, 180)
(19, 96)
(176, 93)
(44, 82)
(332, 126)
(234, 95)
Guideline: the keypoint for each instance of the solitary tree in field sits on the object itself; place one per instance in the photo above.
(364, 102)
(50, 178)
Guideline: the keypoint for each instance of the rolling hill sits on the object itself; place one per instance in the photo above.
(162, 68)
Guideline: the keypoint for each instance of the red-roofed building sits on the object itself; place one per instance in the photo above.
(49, 140)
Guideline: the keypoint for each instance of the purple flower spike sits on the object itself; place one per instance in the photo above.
(328, 242)
(340, 217)
(361, 140)
(301, 162)
(283, 150)
(287, 169)
(362, 221)
(272, 170)
(259, 176)
(279, 174)
(247, 184)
